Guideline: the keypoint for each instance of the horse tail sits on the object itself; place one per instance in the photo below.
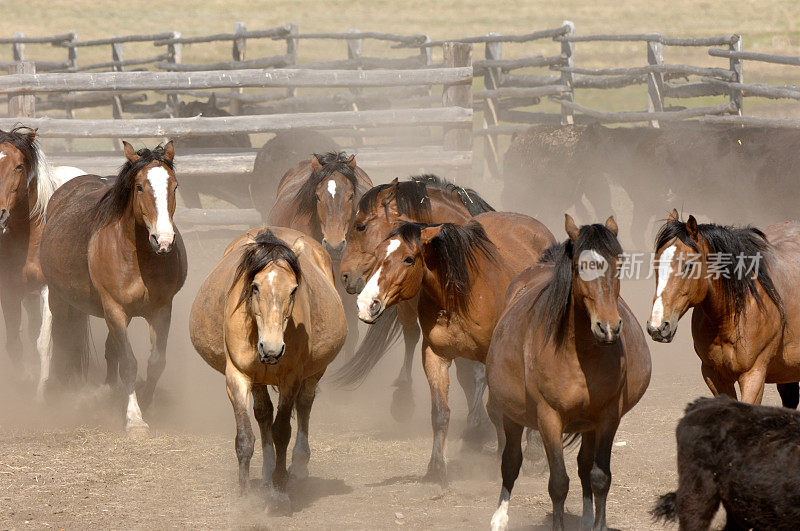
(666, 508)
(568, 440)
(379, 338)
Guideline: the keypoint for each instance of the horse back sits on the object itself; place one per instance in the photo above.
(520, 239)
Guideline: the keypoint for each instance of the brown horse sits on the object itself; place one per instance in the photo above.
(27, 181)
(567, 356)
(111, 250)
(461, 273)
(268, 314)
(741, 283)
(422, 199)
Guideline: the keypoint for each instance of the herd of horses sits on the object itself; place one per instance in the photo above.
(535, 319)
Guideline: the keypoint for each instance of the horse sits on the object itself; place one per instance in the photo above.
(567, 356)
(460, 273)
(277, 156)
(732, 453)
(110, 249)
(269, 314)
(27, 181)
(233, 191)
(742, 285)
(423, 199)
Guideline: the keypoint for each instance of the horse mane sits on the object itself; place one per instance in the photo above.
(116, 199)
(38, 167)
(456, 250)
(332, 162)
(734, 241)
(265, 249)
(552, 304)
(413, 199)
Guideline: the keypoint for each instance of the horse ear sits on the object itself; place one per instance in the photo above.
(130, 153)
(32, 136)
(388, 193)
(298, 245)
(315, 165)
(212, 100)
(611, 224)
(674, 216)
(691, 228)
(429, 233)
(169, 151)
(351, 162)
(570, 226)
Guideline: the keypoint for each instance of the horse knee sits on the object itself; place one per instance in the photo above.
(558, 487)
(440, 416)
(245, 443)
(600, 480)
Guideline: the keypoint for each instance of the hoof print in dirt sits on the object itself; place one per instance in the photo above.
(138, 432)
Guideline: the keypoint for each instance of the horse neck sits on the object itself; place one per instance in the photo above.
(447, 209)
(715, 311)
(487, 276)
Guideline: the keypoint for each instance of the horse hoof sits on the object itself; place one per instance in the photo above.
(402, 407)
(138, 431)
(437, 473)
(298, 471)
(279, 503)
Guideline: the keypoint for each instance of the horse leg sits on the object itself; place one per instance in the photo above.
(402, 407)
(262, 409)
(282, 432)
(751, 385)
(601, 471)
(159, 333)
(585, 464)
(69, 328)
(238, 387)
(512, 461)
(438, 374)
(496, 416)
(117, 321)
(551, 428)
(10, 299)
(716, 383)
(34, 313)
(44, 343)
(301, 453)
(790, 394)
(472, 378)
(112, 361)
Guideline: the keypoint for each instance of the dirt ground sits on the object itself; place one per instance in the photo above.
(70, 465)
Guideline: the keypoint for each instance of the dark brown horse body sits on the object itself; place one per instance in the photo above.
(461, 273)
(746, 310)
(422, 199)
(112, 251)
(567, 356)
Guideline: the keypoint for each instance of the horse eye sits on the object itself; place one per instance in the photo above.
(139, 188)
(408, 260)
(254, 289)
(19, 168)
(294, 290)
(361, 227)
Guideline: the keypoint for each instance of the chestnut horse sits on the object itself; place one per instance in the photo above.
(741, 283)
(111, 250)
(461, 273)
(422, 199)
(269, 314)
(567, 356)
(27, 181)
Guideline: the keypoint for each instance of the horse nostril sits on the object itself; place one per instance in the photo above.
(345, 277)
(283, 350)
(374, 307)
(618, 328)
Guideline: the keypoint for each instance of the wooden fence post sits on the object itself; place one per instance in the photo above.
(174, 55)
(655, 80)
(18, 48)
(491, 114)
(239, 47)
(568, 51)
(355, 48)
(458, 138)
(72, 51)
(291, 52)
(22, 105)
(736, 67)
(117, 55)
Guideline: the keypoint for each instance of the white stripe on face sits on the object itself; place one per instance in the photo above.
(159, 179)
(2, 155)
(368, 294)
(332, 188)
(664, 274)
(392, 247)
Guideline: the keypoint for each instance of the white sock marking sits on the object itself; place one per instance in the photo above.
(44, 344)
(134, 414)
(500, 517)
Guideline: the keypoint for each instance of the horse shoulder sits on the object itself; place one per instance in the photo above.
(637, 354)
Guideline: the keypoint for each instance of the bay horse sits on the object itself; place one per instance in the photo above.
(460, 273)
(567, 356)
(423, 199)
(27, 181)
(110, 249)
(746, 310)
(269, 314)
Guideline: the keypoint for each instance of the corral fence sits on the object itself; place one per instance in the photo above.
(505, 104)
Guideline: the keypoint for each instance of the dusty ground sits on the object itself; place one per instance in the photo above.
(70, 465)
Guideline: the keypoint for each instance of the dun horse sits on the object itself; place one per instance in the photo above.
(27, 181)
(111, 250)
(742, 284)
(461, 274)
(567, 356)
(422, 199)
(269, 314)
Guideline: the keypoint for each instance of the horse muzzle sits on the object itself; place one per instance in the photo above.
(369, 311)
(664, 333)
(162, 244)
(4, 217)
(336, 250)
(270, 353)
(605, 333)
(353, 284)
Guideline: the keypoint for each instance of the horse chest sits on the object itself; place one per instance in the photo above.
(450, 338)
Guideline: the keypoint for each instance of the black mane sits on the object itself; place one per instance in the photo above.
(734, 241)
(265, 249)
(18, 137)
(455, 250)
(332, 162)
(116, 199)
(553, 302)
(413, 200)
